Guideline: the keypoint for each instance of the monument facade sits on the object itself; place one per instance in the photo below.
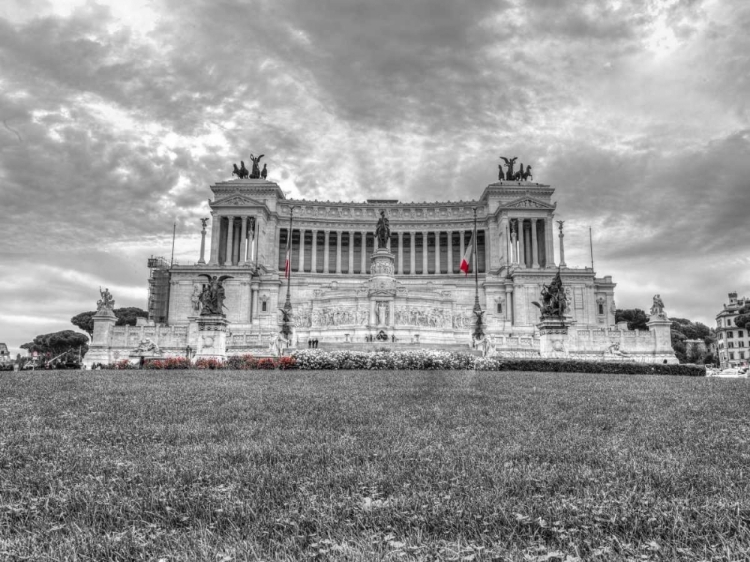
(383, 271)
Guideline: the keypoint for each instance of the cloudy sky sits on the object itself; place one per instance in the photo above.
(117, 116)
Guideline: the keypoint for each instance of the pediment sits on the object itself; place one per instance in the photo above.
(237, 200)
(527, 203)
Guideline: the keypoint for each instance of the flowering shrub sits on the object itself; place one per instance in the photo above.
(121, 365)
(241, 362)
(266, 363)
(286, 363)
(168, 363)
(418, 359)
(208, 363)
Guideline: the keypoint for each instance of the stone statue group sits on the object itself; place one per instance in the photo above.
(521, 174)
(242, 172)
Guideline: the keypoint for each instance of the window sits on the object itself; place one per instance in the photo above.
(730, 344)
(499, 308)
(601, 308)
(740, 334)
(263, 306)
(740, 344)
(731, 356)
(730, 334)
(742, 354)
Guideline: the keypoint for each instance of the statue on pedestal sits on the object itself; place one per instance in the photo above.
(657, 308)
(383, 231)
(510, 162)
(212, 297)
(240, 172)
(554, 302)
(106, 301)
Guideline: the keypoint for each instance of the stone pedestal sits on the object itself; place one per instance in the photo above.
(661, 327)
(212, 337)
(553, 338)
(382, 290)
(100, 348)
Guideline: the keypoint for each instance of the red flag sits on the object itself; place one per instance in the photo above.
(465, 261)
(288, 264)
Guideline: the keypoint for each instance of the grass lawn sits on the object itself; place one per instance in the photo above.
(352, 465)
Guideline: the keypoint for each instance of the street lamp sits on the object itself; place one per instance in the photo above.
(478, 331)
(287, 310)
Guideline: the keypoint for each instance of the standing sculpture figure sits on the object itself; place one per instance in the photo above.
(256, 166)
(500, 175)
(212, 297)
(554, 302)
(657, 308)
(106, 301)
(264, 173)
(510, 163)
(382, 231)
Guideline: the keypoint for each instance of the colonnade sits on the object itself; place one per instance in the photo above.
(348, 251)
(530, 242)
(234, 240)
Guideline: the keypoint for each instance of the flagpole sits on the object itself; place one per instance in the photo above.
(477, 308)
(288, 302)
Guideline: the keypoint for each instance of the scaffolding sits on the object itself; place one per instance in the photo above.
(158, 290)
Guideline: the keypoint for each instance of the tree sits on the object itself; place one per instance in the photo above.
(635, 317)
(684, 329)
(125, 317)
(743, 320)
(54, 344)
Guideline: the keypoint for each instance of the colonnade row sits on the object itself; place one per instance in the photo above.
(530, 242)
(348, 252)
(234, 240)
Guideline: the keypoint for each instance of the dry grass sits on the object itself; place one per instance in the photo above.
(372, 465)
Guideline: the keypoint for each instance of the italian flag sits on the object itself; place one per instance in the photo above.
(288, 264)
(466, 259)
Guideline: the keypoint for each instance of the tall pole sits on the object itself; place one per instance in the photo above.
(591, 244)
(477, 308)
(174, 232)
(288, 302)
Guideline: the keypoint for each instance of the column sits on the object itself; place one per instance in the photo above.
(401, 253)
(412, 257)
(450, 251)
(363, 257)
(351, 252)
(301, 267)
(437, 253)
(314, 253)
(509, 303)
(391, 313)
(521, 244)
(487, 250)
(256, 242)
(462, 244)
(562, 247)
(534, 246)
(372, 313)
(338, 251)
(243, 240)
(230, 241)
(326, 252)
(548, 228)
(215, 229)
(424, 253)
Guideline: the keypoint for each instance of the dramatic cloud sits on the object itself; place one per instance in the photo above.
(116, 119)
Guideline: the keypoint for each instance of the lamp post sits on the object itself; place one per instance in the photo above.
(287, 310)
(478, 332)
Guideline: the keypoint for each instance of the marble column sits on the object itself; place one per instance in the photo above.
(363, 253)
(372, 312)
(509, 303)
(521, 244)
(450, 252)
(562, 249)
(534, 246)
(487, 250)
(437, 253)
(301, 261)
(338, 251)
(351, 252)
(462, 244)
(548, 228)
(243, 240)
(230, 240)
(401, 253)
(412, 256)
(314, 252)
(391, 313)
(215, 230)
(425, 247)
(326, 251)
(256, 241)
